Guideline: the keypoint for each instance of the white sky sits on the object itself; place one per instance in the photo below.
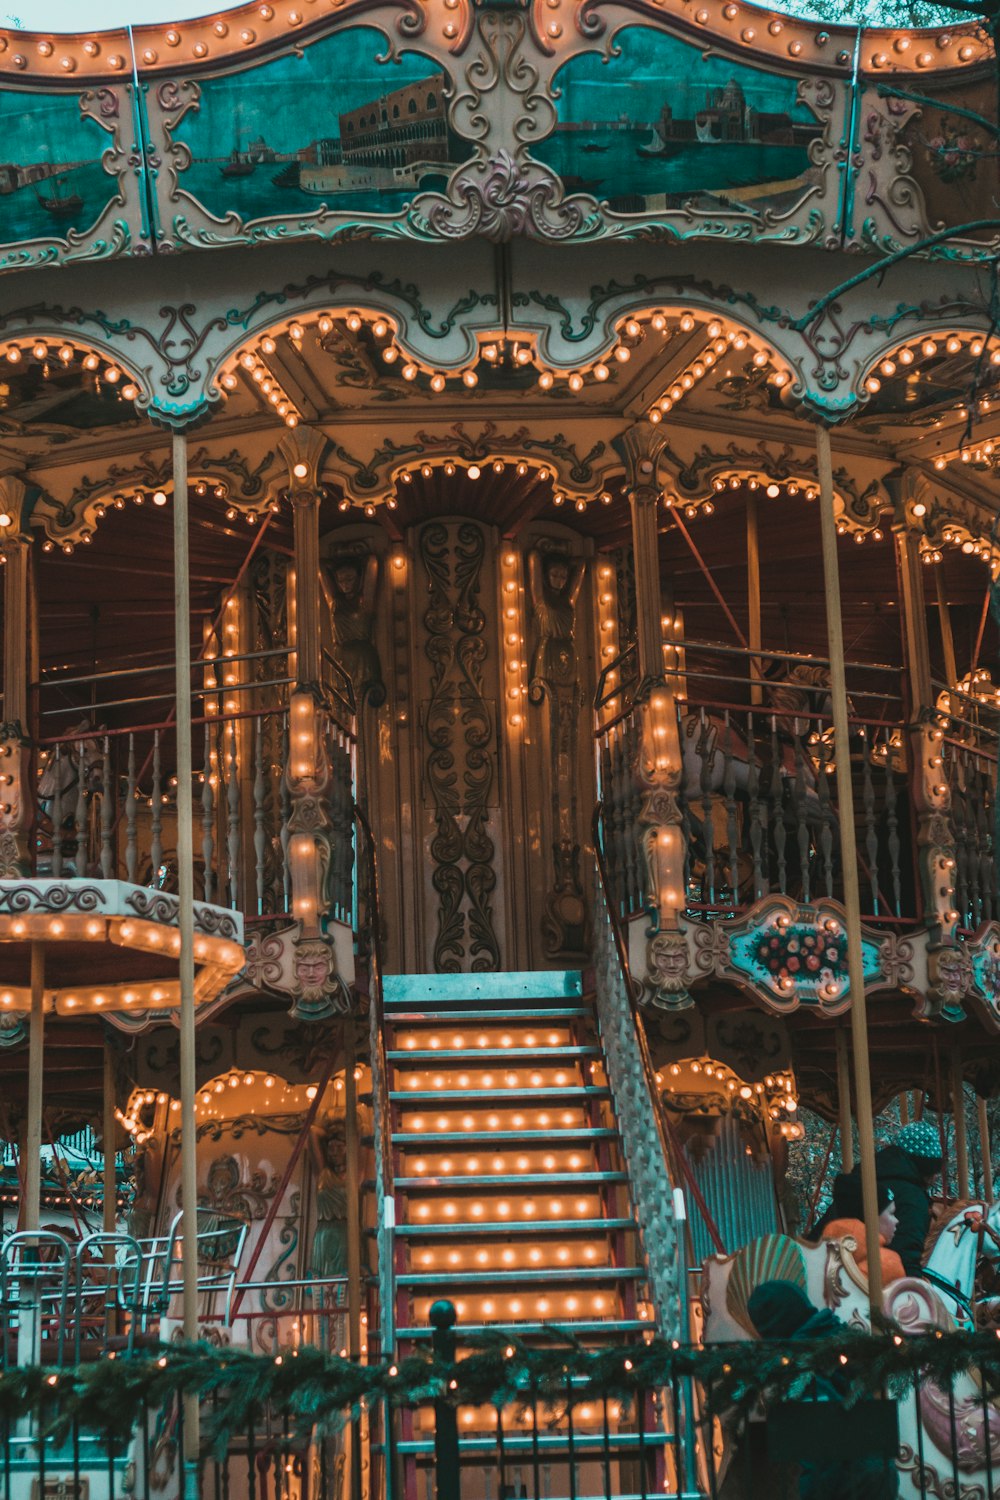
(64, 15)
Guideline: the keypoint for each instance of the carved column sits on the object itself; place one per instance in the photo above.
(928, 788)
(659, 763)
(320, 990)
(303, 450)
(18, 657)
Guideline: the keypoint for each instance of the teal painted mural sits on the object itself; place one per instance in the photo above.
(660, 124)
(331, 127)
(51, 178)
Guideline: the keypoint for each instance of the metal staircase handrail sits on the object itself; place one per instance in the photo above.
(384, 1192)
(621, 945)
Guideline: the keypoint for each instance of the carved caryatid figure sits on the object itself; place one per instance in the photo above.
(555, 582)
(354, 580)
(329, 1247)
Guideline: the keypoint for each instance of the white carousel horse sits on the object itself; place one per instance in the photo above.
(969, 1233)
(954, 1429)
(62, 767)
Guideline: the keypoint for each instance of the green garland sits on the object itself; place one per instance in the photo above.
(322, 1391)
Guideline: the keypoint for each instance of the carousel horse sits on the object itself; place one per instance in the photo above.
(781, 769)
(66, 770)
(964, 1260)
(955, 1427)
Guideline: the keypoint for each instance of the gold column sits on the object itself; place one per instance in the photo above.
(849, 861)
(36, 1081)
(986, 1154)
(185, 923)
(754, 623)
(844, 1101)
(303, 450)
(961, 1138)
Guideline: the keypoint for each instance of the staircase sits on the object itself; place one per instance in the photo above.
(512, 1199)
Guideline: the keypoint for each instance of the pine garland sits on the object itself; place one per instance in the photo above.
(319, 1391)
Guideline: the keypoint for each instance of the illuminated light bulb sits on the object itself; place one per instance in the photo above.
(437, 382)
(623, 354)
(575, 381)
(470, 378)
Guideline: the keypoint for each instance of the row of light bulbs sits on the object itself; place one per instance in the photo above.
(67, 354)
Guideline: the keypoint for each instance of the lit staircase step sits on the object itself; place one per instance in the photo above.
(513, 1017)
(443, 989)
(455, 1229)
(418, 1138)
(510, 1276)
(455, 1183)
(524, 1097)
(611, 1328)
(446, 1056)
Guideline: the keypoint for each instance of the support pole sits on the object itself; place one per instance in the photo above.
(109, 1134)
(962, 1187)
(36, 1065)
(985, 1149)
(844, 1101)
(185, 922)
(944, 619)
(849, 862)
(754, 627)
(352, 1143)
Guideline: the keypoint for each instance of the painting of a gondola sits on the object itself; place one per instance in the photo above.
(51, 176)
(379, 135)
(664, 125)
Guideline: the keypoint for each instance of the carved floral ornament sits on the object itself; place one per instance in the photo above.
(795, 955)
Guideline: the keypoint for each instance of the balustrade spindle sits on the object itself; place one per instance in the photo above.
(961, 839)
(156, 813)
(259, 836)
(80, 811)
(286, 812)
(57, 816)
(989, 847)
(732, 825)
(972, 834)
(826, 814)
(233, 829)
(801, 805)
(981, 800)
(892, 829)
(208, 816)
(632, 813)
(777, 810)
(131, 840)
(760, 881)
(868, 804)
(108, 801)
(707, 811)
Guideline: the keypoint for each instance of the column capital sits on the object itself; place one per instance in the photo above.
(906, 488)
(640, 448)
(303, 448)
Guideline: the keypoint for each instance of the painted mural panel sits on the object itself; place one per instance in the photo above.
(53, 183)
(342, 126)
(660, 124)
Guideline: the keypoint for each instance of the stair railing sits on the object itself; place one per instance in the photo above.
(385, 1202)
(655, 1160)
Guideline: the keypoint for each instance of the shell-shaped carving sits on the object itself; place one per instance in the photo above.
(774, 1257)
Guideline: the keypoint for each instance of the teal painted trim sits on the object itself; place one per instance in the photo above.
(521, 984)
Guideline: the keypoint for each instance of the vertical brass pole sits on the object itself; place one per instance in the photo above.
(844, 1101)
(849, 862)
(754, 628)
(352, 1141)
(109, 1133)
(904, 1107)
(962, 1187)
(352, 1145)
(985, 1150)
(185, 922)
(944, 617)
(32, 1166)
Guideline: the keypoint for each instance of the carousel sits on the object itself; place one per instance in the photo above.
(501, 705)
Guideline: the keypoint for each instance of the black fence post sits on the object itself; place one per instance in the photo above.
(446, 1461)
